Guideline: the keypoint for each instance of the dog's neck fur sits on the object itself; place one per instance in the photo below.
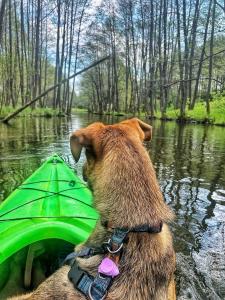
(126, 192)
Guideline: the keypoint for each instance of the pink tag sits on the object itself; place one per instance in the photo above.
(108, 267)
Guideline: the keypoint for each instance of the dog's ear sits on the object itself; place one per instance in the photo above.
(78, 140)
(83, 138)
(145, 130)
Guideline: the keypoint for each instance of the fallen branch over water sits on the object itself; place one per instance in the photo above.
(15, 113)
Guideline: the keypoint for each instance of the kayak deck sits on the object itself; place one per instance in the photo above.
(53, 203)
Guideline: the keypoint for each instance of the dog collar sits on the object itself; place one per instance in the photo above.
(140, 228)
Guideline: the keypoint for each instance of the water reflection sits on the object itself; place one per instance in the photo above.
(190, 165)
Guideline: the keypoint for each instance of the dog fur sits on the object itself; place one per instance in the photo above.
(127, 194)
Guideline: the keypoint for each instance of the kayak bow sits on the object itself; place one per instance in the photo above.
(53, 203)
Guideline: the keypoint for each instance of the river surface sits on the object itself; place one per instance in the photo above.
(190, 165)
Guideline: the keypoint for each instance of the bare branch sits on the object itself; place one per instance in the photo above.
(191, 79)
(207, 57)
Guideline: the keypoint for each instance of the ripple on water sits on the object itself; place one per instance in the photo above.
(209, 260)
(218, 195)
(210, 266)
(219, 213)
(191, 180)
(189, 283)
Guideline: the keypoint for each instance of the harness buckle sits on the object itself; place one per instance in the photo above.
(117, 240)
(114, 251)
(90, 295)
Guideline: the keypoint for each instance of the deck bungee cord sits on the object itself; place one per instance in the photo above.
(46, 196)
(71, 182)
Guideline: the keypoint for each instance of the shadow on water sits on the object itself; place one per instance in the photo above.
(190, 165)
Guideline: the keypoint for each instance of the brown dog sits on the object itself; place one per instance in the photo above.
(126, 194)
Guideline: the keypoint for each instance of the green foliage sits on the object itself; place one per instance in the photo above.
(37, 112)
(79, 110)
(199, 114)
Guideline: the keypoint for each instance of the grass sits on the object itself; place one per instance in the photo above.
(79, 110)
(37, 112)
(199, 114)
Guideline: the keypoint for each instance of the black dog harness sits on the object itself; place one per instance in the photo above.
(96, 288)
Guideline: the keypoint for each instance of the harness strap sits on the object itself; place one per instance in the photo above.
(75, 274)
(96, 288)
(85, 252)
(93, 287)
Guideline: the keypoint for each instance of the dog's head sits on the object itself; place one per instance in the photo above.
(120, 172)
(96, 137)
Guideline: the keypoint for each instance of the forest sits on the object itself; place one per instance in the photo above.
(162, 56)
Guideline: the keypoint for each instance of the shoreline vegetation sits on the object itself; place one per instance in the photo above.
(198, 115)
(46, 112)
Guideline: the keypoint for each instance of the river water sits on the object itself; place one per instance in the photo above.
(190, 165)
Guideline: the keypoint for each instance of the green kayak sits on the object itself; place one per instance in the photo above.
(51, 210)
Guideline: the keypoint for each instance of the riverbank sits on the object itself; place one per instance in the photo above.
(46, 112)
(37, 112)
(198, 114)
